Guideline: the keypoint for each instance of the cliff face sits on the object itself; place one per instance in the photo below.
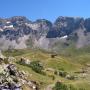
(19, 32)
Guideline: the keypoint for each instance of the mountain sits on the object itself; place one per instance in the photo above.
(18, 32)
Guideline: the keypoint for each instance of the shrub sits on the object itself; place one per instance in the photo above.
(60, 86)
(61, 69)
(62, 73)
(36, 66)
(56, 72)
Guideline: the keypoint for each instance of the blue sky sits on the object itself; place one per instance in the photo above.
(48, 9)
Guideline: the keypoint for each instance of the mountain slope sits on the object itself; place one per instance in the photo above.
(18, 32)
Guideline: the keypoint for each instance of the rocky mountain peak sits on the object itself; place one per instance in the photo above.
(13, 29)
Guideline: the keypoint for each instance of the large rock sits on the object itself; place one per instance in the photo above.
(11, 78)
(25, 61)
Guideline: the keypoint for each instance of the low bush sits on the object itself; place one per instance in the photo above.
(36, 66)
(61, 86)
(62, 73)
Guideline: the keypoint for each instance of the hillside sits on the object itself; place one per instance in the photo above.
(74, 61)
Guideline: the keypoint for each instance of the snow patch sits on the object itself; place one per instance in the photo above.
(64, 37)
(10, 26)
(1, 29)
(8, 22)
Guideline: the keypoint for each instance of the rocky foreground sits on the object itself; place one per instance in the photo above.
(11, 78)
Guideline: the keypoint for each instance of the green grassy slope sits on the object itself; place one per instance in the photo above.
(71, 61)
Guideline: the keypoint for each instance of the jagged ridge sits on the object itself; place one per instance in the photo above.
(18, 32)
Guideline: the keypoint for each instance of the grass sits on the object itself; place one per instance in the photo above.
(71, 61)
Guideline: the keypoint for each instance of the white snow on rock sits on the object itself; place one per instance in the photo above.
(10, 26)
(64, 37)
(8, 22)
(1, 29)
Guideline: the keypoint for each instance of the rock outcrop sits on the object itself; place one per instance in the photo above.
(11, 78)
(18, 30)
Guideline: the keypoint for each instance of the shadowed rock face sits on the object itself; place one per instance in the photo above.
(87, 24)
(19, 32)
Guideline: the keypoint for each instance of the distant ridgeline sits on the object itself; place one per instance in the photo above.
(18, 33)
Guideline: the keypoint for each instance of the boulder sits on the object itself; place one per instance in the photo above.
(12, 70)
(25, 61)
(11, 59)
(53, 55)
